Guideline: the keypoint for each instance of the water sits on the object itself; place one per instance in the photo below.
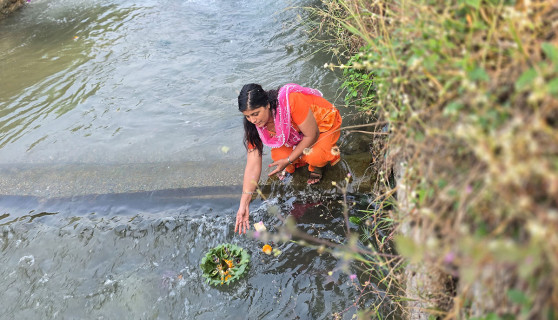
(143, 81)
(131, 257)
(121, 157)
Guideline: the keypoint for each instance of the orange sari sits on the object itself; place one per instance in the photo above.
(329, 122)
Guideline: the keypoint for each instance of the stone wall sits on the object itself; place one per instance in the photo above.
(9, 6)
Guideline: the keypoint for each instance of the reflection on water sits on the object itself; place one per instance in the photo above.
(145, 265)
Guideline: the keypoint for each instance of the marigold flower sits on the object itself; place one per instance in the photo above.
(229, 263)
(266, 249)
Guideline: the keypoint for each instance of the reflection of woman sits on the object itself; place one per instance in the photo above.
(282, 120)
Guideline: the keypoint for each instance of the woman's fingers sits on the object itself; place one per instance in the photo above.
(237, 226)
(279, 167)
(243, 227)
(242, 223)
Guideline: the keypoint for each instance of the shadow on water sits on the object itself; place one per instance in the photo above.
(136, 256)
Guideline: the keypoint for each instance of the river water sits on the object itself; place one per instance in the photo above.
(143, 81)
(121, 158)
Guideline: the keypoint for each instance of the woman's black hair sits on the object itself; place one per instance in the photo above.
(253, 96)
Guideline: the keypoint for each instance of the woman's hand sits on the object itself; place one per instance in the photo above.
(242, 221)
(281, 165)
(251, 177)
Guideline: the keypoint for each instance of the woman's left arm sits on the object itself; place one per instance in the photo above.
(310, 132)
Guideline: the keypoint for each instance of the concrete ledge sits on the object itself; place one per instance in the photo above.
(68, 180)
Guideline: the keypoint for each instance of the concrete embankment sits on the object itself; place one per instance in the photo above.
(67, 180)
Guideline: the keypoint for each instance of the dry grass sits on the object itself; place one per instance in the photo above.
(470, 91)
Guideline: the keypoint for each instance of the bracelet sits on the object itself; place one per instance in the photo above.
(289, 159)
(247, 192)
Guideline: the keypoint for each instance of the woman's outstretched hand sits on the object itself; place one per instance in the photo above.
(281, 165)
(242, 221)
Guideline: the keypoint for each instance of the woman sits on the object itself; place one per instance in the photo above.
(298, 124)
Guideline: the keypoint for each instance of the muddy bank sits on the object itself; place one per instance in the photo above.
(9, 6)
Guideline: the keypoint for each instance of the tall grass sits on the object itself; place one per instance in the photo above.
(470, 91)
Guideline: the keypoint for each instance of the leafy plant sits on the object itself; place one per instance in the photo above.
(359, 83)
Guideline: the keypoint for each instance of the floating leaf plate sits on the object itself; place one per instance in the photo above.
(224, 264)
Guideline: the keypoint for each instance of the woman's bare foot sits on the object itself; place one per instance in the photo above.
(315, 176)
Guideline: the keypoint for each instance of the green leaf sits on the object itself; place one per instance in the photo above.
(526, 79)
(473, 3)
(518, 297)
(492, 316)
(453, 108)
(479, 74)
(431, 62)
(551, 52)
(442, 183)
(355, 220)
(553, 86)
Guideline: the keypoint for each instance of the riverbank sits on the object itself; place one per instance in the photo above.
(9, 6)
(469, 91)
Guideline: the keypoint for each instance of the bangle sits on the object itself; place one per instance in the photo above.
(289, 159)
(247, 192)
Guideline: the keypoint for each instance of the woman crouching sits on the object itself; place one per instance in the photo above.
(300, 126)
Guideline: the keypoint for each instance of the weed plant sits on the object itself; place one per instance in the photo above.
(469, 89)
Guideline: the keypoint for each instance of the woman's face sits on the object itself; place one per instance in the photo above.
(259, 116)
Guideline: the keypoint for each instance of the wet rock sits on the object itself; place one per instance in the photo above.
(140, 230)
(64, 232)
(121, 230)
(355, 142)
(9, 6)
(166, 224)
(85, 234)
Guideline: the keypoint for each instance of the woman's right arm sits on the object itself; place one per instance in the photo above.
(251, 177)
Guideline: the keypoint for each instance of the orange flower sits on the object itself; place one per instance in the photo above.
(229, 263)
(266, 249)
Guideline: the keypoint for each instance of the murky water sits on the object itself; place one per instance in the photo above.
(121, 155)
